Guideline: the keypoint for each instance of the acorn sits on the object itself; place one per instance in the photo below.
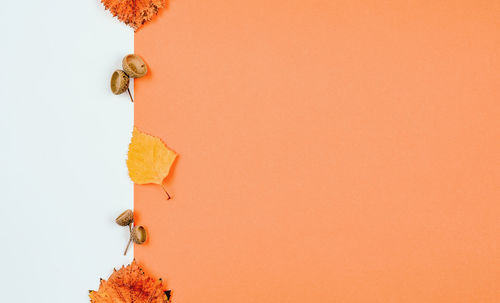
(138, 234)
(119, 82)
(125, 218)
(134, 66)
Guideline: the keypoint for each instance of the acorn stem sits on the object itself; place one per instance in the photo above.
(129, 239)
(168, 196)
(128, 245)
(131, 99)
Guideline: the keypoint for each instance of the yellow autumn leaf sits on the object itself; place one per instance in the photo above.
(149, 159)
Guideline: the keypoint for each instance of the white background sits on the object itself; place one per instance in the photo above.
(63, 145)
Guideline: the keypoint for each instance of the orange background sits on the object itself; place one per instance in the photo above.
(330, 151)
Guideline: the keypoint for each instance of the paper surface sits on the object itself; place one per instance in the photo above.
(330, 151)
(64, 139)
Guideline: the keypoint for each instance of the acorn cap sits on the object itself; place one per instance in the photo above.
(125, 218)
(119, 82)
(134, 66)
(139, 235)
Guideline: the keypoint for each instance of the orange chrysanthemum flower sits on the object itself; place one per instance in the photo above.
(134, 13)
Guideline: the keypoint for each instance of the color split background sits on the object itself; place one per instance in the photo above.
(330, 151)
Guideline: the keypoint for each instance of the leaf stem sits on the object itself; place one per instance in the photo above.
(168, 196)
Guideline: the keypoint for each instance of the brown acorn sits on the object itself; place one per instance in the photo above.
(125, 218)
(119, 82)
(139, 235)
(134, 66)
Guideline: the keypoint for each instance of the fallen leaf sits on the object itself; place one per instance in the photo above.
(130, 285)
(149, 159)
(134, 13)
